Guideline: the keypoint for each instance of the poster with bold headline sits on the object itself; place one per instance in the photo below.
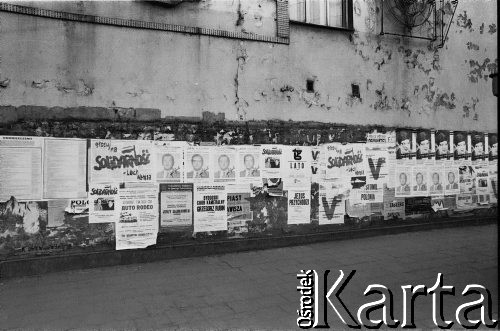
(377, 171)
(137, 225)
(297, 162)
(391, 158)
(482, 179)
(120, 161)
(331, 202)
(21, 164)
(176, 206)
(248, 164)
(224, 164)
(394, 209)
(271, 161)
(318, 165)
(299, 205)
(169, 164)
(102, 202)
(210, 208)
(197, 164)
(238, 209)
(467, 181)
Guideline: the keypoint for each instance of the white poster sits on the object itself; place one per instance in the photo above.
(65, 168)
(482, 179)
(377, 172)
(452, 177)
(297, 162)
(224, 164)
(210, 207)
(102, 202)
(467, 181)
(391, 158)
(331, 202)
(176, 205)
(121, 161)
(21, 164)
(197, 164)
(299, 205)
(248, 164)
(318, 165)
(493, 171)
(420, 185)
(271, 161)
(169, 164)
(403, 179)
(137, 225)
(436, 180)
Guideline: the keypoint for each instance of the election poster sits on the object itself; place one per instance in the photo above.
(317, 163)
(21, 164)
(482, 179)
(348, 162)
(467, 180)
(493, 177)
(426, 150)
(444, 202)
(224, 164)
(451, 180)
(102, 202)
(176, 206)
(137, 225)
(479, 144)
(420, 187)
(492, 147)
(271, 161)
(197, 164)
(77, 206)
(416, 206)
(406, 145)
(117, 161)
(465, 202)
(436, 180)
(210, 207)
(238, 209)
(248, 164)
(297, 162)
(332, 197)
(461, 148)
(403, 178)
(273, 186)
(391, 158)
(377, 172)
(394, 209)
(169, 164)
(444, 145)
(65, 168)
(299, 204)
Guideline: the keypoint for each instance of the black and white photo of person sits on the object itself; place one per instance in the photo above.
(102, 204)
(437, 186)
(198, 170)
(442, 144)
(250, 170)
(452, 184)
(460, 145)
(404, 144)
(403, 187)
(169, 169)
(423, 144)
(225, 167)
(477, 140)
(420, 182)
(493, 146)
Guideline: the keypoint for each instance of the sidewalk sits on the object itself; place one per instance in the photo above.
(252, 290)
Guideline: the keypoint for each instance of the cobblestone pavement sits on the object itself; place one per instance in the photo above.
(252, 290)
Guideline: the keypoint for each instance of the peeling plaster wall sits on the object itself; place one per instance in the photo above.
(402, 82)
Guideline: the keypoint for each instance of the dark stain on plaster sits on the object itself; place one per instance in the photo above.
(477, 71)
(492, 28)
(481, 28)
(464, 22)
(382, 102)
(5, 83)
(241, 16)
(470, 107)
(472, 46)
(445, 100)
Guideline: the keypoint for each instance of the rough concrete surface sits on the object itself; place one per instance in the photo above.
(252, 290)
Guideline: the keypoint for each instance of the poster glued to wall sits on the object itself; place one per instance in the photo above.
(248, 164)
(332, 195)
(197, 164)
(103, 202)
(176, 206)
(169, 164)
(271, 159)
(299, 204)
(210, 208)
(224, 164)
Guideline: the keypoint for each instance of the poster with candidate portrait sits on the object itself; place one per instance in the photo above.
(436, 180)
(102, 202)
(169, 164)
(444, 146)
(197, 164)
(271, 161)
(224, 164)
(451, 180)
(479, 142)
(420, 185)
(406, 145)
(248, 164)
(403, 179)
(461, 148)
(426, 151)
(492, 146)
